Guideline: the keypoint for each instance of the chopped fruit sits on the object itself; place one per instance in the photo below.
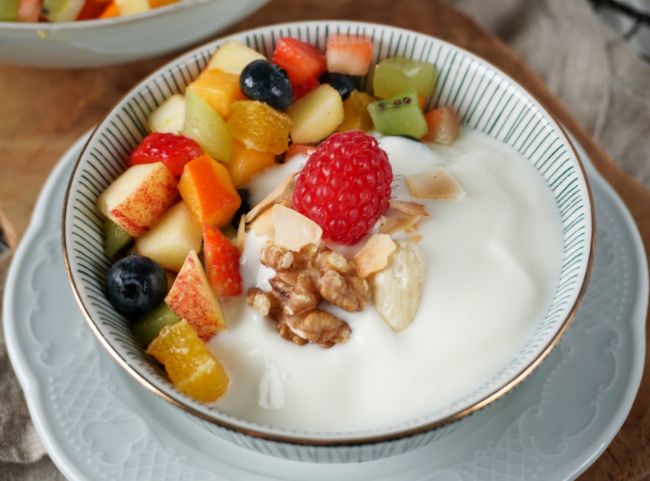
(147, 328)
(115, 238)
(399, 115)
(348, 54)
(293, 230)
(136, 199)
(344, 84)
(91, 9)
(131, 7)
(345, 186)
(189, 364)
(169, 117)
(396, 74)
(374, 254)
(266, 82)
(355, 112)
(444, 125)
(61, 10)
(9, 10)
(30, 10)
(191, 298)
(221, 263)
(204, 124)
(260, 127)
(219, 89)
(301, 61)
(438, 185)
(245, 163)
(172, 238)
(232, 57)
(299, 149)
(135, 285)
(316, 115)
(301, 90)
(206, 187)
(112, 10)
(397, 289)
(172, 150)
(161, 3)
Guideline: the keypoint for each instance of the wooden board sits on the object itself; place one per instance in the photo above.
(43, 112)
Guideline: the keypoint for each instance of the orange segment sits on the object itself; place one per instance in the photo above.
(188, 363)
(206, 187)
(245, 163)
(219, 89)
(259, 126)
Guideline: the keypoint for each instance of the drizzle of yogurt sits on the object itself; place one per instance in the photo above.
(491, 261)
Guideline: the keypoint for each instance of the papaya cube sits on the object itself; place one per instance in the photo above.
(443, 125)
(207, 189)
(245, 163)
(219, 89)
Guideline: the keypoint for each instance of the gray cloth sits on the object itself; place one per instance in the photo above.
(604, 83)
(601, 80)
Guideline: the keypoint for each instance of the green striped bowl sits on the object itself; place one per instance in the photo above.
(486, 99)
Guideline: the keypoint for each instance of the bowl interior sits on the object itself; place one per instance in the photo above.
(485, 98)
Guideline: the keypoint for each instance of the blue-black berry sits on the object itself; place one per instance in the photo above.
(344, 84)
(266, 82)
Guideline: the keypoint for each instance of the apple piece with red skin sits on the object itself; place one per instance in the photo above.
(191, 298)
(139, 197)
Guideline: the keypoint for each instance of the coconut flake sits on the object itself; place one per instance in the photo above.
(438, 185)
(293, 230)
(282, 191)
(374, 255)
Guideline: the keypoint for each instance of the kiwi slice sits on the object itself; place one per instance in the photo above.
(62, 10)
(207, 127)
(9, 10)
(115, 238)
(146, 329)
(395, 74)
(399, 115)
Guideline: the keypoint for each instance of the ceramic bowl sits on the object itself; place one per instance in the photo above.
(93, 43)
(486, 99)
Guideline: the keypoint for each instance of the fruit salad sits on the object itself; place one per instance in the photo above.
(177, 219)
(72, 10)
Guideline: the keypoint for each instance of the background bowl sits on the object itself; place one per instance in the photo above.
(93, 43)
(486, 99)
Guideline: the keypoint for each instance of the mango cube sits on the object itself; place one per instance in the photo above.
(219, 89)
(245, 163)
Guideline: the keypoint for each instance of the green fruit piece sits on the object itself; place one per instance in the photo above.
(207, 127)
(146, 328)
(399, 115)
(62, 10)
(9, 10)
(115, 238)
(395, 74)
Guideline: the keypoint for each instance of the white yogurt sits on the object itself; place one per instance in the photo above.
(491, 261)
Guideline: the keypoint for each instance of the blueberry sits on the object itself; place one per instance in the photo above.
(344, 84)
(135, 285)
(266, 82)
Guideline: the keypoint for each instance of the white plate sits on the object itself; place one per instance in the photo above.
(97, 423)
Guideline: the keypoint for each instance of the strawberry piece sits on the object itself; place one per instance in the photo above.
(173, 150)
(92, 9)
(302, 62)
(299, 149)
(221, 263)
(303, 89)
(348, 54)
(345, 186)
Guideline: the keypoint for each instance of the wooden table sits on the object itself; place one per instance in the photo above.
(43, 112)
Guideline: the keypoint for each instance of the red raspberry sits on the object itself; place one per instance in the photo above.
(173, 150)
(345, 186)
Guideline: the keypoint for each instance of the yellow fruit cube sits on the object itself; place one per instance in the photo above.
(245, 163)
(260, 127)
(219, 89)
(355, 112)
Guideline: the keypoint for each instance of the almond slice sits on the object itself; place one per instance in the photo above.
(408, 207)
(293, 230)
(283, 190)
(373, 256)
(241, 235)
(438, 185)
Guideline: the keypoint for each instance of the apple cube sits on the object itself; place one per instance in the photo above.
(169, 117)
(172, 238)
(316, 115)
(139, 197)
(191, 298)
(206, 187)
(131, 7)
(232, 57)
